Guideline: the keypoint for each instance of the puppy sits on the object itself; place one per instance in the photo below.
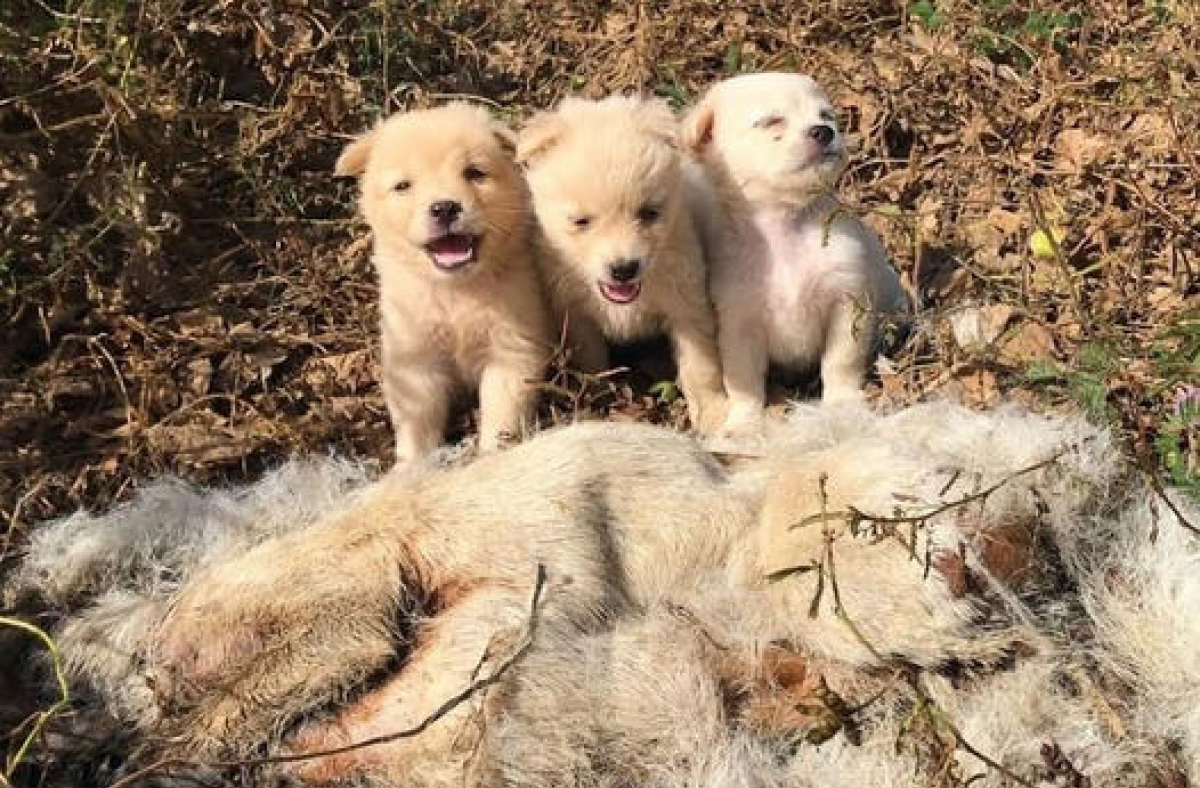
(461, 302)
(796, 281)
(622, 255)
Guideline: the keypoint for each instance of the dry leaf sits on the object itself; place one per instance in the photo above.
(199, 322)
(977, 385)
(1030, 342)
(1076, 149)
(976, 328)
(198, 377)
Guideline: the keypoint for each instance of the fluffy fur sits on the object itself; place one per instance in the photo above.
(621, 249)
(796, 280)
(1056, 609)
(461, 303)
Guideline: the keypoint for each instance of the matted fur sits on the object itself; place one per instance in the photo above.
(651, 675)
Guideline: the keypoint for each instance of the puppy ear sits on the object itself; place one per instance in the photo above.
(353, 160)
(698, 126)
(539, 135)
(660, 121)
(506, 137)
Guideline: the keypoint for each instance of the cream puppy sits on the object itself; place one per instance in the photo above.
(622, 253)
(796, 280)
(461, 303)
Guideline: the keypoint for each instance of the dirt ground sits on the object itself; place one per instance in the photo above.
(185, 288)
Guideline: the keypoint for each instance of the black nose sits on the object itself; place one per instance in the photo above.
(445, 211)
(625, 271)
(822, 134)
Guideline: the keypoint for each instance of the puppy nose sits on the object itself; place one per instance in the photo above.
(625, 271)
(822, 134)
(445, 211)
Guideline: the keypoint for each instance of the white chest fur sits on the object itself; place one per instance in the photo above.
(792, 268)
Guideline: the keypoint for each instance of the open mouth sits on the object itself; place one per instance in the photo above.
(451, 252)
(620, 292)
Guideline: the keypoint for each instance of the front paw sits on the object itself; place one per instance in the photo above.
(708, 412)
(491, 442)
(744, 422)
(842, 394)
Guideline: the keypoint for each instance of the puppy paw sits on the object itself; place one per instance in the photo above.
(708, 413)
(743, 426)
(843, 394)
(491, 442)
(744, 418)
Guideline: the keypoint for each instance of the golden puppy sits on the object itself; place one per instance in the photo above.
(622, 253)
(796, 281)
(461, 302)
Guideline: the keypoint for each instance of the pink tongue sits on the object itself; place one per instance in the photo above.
(621, 293)
(451, 250)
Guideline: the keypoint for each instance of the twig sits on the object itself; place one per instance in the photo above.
(966, 499)
(852, 516)
(46, 131)
(94, 342)
(471, 97)
(1157, 487)
(913, 680)
(928, 704)
(1140, 453)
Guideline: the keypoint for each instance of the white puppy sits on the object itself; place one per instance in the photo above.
(621, 249)
(461, 303)
(796, 280)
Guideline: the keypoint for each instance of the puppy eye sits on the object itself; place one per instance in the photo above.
(828, 116)
(474, 174)
(770, 123)
(581, 222)
(648, 214)
(402, 186)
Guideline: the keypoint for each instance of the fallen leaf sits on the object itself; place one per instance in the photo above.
(1076, 149)
(1030, 342)
(977, 385)
(976, 328)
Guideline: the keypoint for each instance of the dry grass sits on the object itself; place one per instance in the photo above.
(184, 288)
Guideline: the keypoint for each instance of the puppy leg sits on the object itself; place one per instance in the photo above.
(506, 398)
(466, 642)
(848, 344)
(586, 343)
(699, 362)
(418, 394)
(744, 357)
